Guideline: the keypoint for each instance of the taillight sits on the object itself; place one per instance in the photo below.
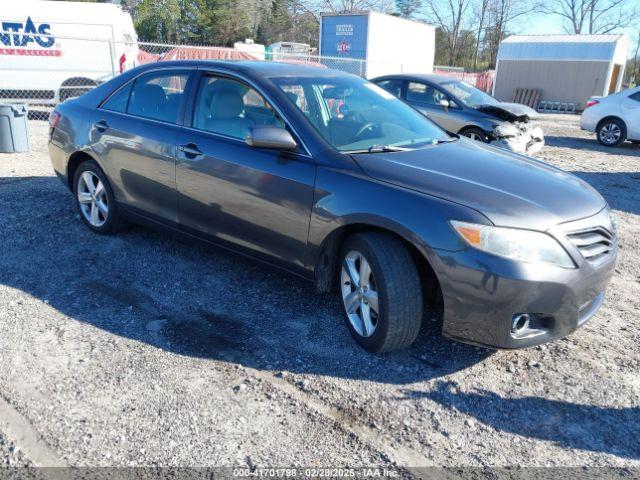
(54, 118)
(123, 60)
(591, 103)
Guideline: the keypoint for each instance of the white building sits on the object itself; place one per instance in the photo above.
(566, 68)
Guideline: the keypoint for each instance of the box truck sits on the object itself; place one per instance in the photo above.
(54, 50)
(373, 44)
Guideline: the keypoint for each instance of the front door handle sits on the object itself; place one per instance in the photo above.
(190, 151)
(102, 125)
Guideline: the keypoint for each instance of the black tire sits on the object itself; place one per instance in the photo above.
(610, 125)
(398, 287)
(112, 222)
(475, 134)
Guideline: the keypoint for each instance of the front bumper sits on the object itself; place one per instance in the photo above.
(529, 141)
(482, 293)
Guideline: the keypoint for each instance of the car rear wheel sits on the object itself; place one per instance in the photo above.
(95, 200)
(611, 132)
(475, 134)
(380, 292)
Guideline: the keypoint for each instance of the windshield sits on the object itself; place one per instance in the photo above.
(469, 94)
(354, 115)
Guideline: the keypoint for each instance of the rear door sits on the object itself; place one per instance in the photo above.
(134, 133)
(631, 115)
(258, 199)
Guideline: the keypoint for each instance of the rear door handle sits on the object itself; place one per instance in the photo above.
(190, 151)
(102, 125)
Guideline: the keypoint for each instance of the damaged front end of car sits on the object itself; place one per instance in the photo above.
(519, 137)
(515, 132)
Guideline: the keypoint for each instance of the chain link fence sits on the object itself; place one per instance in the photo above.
(52, 70)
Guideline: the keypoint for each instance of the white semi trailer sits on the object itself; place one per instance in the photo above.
(371, 44)
(53, 50)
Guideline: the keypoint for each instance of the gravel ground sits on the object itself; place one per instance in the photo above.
(145, 350)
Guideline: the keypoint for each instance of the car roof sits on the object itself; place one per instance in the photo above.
(425, 77)
(268, 69)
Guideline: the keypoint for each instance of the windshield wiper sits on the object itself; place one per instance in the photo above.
(386, 148)
(379, 149)
(446, 140)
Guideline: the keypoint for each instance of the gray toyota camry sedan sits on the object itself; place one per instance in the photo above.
(333, 178)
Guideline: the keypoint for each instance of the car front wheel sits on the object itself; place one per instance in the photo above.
(380, 292)
(475, 134)
(611, 132)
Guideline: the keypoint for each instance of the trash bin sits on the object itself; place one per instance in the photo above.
(14, 134)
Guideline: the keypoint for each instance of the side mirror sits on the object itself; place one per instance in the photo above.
(444, 103)
(276, 138)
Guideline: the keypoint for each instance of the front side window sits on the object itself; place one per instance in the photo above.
(158, 96)
(229, 107)
(353, 114)
(469, 94)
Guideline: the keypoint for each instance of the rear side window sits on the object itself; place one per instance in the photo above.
(118, 101)
(158, 96)
(635, 96)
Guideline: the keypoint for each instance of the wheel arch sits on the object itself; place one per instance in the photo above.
(612, 117)
(474, 126)
(326, 264)
(75, 159)
(73, 85)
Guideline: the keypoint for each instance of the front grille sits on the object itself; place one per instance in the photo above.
(594, 243)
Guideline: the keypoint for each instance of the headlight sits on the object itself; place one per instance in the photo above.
(505, 131)
(614, 222)
(520, 245)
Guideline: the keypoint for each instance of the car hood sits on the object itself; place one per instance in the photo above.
(509, 189)
(511, 112)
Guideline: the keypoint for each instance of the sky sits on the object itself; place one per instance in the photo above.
(544, 24)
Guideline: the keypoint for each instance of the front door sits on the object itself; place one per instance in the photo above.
(426, 99)
(255, 198)
(134, 133)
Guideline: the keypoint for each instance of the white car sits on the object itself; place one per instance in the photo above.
(615, 118)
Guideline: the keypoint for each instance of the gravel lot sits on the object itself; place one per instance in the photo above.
(142, 349)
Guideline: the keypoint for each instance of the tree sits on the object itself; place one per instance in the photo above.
(594, 16)
(408, 8)
(502, 13)
(346, 6)
(220, 22)
(481, 16)
(158, 20)
(450, 16)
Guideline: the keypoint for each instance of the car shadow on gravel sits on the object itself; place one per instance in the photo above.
(620, 189)
(569, 425)
(192, 300)
(591, 144)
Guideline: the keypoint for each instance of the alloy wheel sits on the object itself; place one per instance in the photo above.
(93, 200)
(475, 136)
(610, 133)
(359, 293)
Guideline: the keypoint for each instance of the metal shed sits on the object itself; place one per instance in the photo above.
(565, 68)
